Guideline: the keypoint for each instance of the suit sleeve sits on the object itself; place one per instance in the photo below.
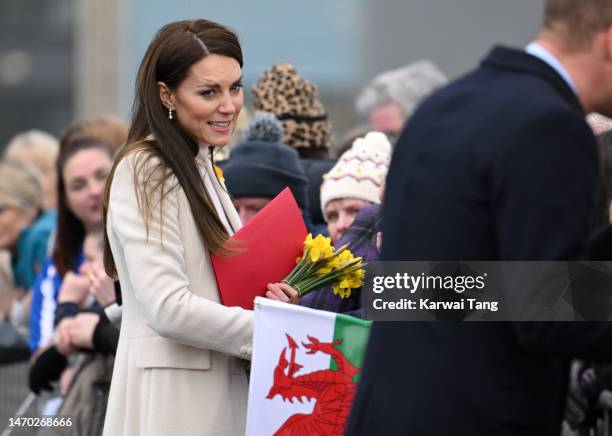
(156, 273)
(583, 340)
(544, 202)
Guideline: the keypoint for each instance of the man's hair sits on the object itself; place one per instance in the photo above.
(578, 21)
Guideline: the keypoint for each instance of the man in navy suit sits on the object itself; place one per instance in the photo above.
(499, 165)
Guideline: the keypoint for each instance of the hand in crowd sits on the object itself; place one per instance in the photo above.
(282, 292)
(65, 380)
(75, 289)
(77, 332)
(62, 338)
(82, 328)
(101, 286)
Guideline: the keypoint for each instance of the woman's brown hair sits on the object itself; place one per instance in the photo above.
(106, 127)
(176, 47)
(70, 230)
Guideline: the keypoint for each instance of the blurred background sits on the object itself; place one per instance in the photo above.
(66, 59)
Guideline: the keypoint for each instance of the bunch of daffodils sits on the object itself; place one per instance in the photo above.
(322, 265)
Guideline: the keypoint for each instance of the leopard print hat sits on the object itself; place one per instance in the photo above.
(295, 102)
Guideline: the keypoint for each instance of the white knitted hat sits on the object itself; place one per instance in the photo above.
(360, 171)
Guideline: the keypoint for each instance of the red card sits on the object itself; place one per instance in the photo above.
(271, 241)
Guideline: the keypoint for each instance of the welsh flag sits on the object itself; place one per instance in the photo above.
(305, 368)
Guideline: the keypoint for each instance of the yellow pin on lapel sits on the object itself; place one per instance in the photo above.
(219, 173)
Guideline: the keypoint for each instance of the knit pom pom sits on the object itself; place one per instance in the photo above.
(265, 127)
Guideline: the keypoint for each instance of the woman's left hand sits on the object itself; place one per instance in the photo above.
(282, 292)
(75, 288)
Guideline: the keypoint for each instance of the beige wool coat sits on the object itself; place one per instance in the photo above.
(180, 367)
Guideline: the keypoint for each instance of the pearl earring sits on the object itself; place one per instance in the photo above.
(170, 114)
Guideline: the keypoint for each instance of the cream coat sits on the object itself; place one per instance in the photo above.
(179, 367)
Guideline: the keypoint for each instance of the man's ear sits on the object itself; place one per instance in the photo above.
(166, 96)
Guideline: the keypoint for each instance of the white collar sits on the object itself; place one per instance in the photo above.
(542, 53)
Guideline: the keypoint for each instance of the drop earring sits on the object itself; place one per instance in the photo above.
(170, 114)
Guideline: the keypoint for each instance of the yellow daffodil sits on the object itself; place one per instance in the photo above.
(341, 292)
(321, 248)
(332, 264)
(345, 258)
(355, 281)
(308, 241)
(326, 268)
(219, 173)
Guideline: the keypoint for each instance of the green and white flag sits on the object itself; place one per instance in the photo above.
(305, 369)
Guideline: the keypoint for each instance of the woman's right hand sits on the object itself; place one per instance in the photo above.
(75, 288)
(101, 286)
(282, 292)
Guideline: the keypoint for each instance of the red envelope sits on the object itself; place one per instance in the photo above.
(271, 241)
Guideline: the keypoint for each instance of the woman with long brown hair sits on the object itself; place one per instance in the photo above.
(178, 367)
(83, 166)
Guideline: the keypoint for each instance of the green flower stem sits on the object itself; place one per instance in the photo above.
(293, 272)
(301, 271)
(319, 281)
(329, 277)
(296, 274)
(304, 272)
(341, 249)
(308, 272)
(304, 288)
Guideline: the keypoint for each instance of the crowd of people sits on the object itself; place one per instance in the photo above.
(106, 233)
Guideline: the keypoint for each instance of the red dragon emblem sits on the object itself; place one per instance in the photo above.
(332, 390)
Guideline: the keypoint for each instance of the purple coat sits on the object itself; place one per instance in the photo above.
(361, 236)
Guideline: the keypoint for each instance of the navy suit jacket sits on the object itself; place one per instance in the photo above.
(499, 165)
